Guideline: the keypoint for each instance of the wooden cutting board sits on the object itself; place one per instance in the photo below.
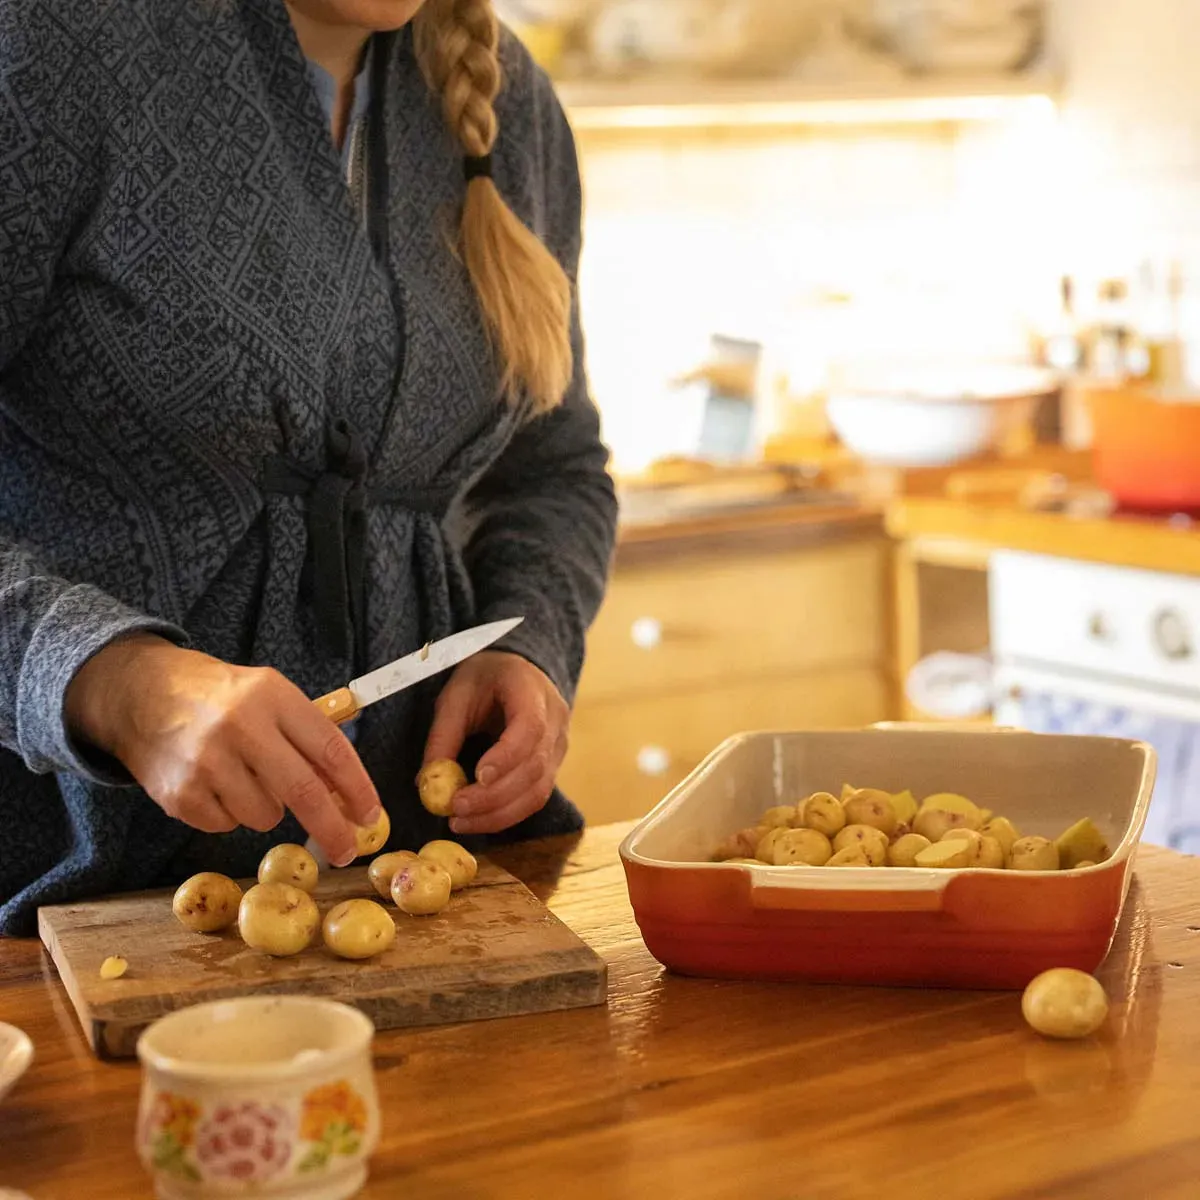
(494, 951)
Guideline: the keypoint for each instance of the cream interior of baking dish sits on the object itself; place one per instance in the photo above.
(1042, 782)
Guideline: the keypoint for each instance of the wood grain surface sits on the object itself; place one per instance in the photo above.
(494, 951)
(960, 532)
(698, 1089)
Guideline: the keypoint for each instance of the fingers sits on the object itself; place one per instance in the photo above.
(517, 795)
(526, 732)
(244, 799)
(217, 745)
(216, 795)
(496, 819)
(452, 717)
(516, 776)
(477, 799)
(331, 756)
(205, 813)
(296, 786)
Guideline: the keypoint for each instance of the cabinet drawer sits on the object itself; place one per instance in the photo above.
(1116, 621)
(708, 620)
(626, 756)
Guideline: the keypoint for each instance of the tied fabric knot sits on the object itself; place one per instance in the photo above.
(336, 502)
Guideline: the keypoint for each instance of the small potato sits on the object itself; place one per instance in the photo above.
(985, 851)
(358, 929)
(963, 834)
(766, 844)
(903, 851)
(746, 862)
(989, 854)
(1079, 866)
(290, 864)
(1064, 1003)
(949, 802)
(951, 855)
(741, 845)
(871, 807)
(383, 870)
(278, 919)
(847, 792)
(207, 902)
(422, 888)
(1083, 842)
(370, 839)
(802, 847)
(1003, 830)
(905, 807)
(113, 967)
(935, 823)
(1033, 854)
(458, 863)
(782, 816)
(873, 842)
(823, 812)
(438, 783)
(850, 856)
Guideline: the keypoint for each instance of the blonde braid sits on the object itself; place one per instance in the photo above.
(523, 292)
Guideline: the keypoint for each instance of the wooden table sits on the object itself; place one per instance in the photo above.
(692, 1088)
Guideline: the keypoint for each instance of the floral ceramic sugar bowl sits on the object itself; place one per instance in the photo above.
(265, 1096)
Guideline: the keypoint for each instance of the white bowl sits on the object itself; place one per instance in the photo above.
(16, 1053)
(265, 1096)
(933, 419)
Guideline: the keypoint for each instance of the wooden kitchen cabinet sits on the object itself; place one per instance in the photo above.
(692, 648)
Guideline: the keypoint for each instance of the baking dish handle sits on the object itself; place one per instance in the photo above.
(945, 727)
(768, 890)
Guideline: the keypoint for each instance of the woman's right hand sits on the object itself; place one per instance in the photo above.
(219, 746)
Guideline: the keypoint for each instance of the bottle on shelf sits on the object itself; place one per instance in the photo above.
(1165, 345)
(1063, 347)
(1111, 335)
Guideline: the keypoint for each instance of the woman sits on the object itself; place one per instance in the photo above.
(261, 402)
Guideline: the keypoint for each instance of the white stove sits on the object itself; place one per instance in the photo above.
(1092, 649)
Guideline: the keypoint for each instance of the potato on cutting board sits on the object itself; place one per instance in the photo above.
(495, 950)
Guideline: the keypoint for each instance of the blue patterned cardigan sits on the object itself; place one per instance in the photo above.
(232, 413)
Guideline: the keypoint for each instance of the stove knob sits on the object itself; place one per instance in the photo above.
(1171, 636)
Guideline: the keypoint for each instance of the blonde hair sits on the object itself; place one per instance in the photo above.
(523, 292)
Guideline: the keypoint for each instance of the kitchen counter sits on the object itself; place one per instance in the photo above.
(959, 530)
(945, 538)
(745, 529)
(706, 509)
(692, 1088)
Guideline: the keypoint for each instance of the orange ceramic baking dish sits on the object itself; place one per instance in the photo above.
(1146, 448)
(969, 929)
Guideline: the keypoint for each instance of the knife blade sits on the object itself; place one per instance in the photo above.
(347, 702)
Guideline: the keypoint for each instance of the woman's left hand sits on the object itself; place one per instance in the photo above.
(504, 694)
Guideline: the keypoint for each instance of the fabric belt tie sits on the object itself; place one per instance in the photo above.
(336, 502)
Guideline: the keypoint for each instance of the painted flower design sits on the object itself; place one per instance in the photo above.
(176, 1115)
(334, 1118)
(245, 1142)
(170, 1129)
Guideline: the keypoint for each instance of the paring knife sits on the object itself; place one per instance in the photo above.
(346, 703)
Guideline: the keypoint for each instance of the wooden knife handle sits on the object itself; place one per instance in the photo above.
(338, 706)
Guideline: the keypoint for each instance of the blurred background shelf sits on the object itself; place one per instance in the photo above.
(672, 104)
